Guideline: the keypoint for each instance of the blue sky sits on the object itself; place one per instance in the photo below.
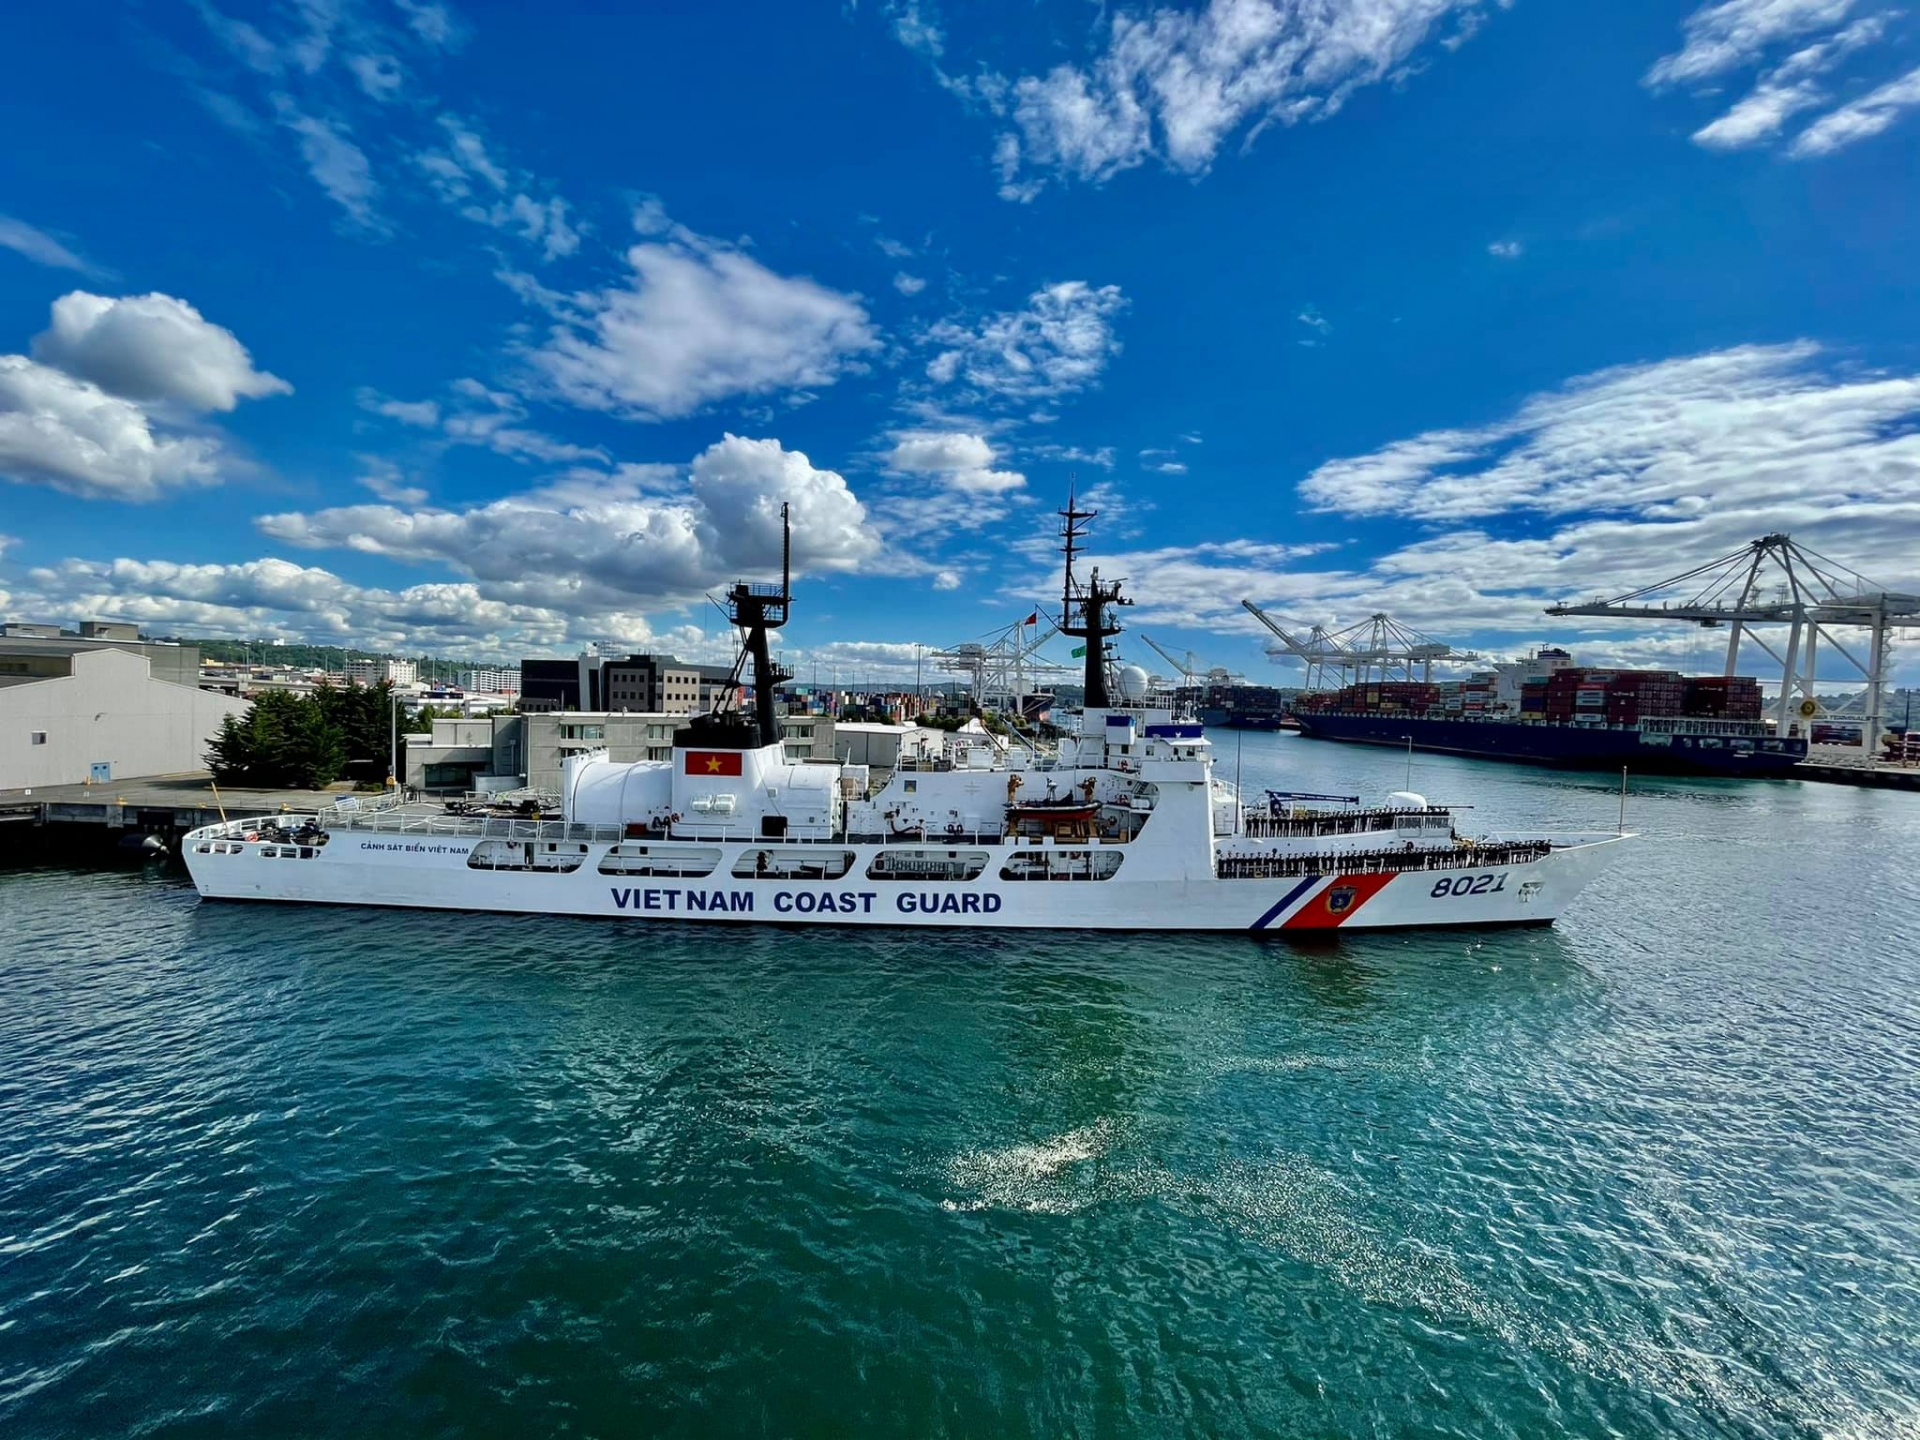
(492, 331)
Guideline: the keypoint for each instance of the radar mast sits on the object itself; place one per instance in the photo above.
(1083, 608)
(756, 609)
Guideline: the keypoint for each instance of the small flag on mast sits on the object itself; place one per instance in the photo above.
(1079, 652)
(1033, 619)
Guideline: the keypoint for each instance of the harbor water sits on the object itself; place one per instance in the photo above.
(269, 1171)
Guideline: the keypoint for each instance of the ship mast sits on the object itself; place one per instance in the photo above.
(756, 610)
(1083, 608)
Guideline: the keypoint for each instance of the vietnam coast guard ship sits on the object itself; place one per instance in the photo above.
(1123, 826)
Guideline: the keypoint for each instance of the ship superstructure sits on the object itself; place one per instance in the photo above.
(1123, 826)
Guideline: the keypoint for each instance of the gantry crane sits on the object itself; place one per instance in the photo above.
(1775, 581)
(1353, 654)
(1190, 671)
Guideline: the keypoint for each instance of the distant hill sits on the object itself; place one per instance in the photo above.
(311, 657)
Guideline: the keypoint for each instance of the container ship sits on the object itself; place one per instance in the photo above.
(1548, 711)
(1236, 707)
(1122, 826)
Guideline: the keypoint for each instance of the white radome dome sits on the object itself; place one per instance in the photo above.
(1133, 684)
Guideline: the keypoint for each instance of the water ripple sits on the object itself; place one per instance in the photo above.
(1650, 1174)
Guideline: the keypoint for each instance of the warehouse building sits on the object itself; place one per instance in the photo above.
(30, 651)
(72, 711)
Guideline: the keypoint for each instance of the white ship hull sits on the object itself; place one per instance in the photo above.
(1119, 825)
(428, 872)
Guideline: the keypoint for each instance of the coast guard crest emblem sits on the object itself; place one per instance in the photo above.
(1339, 899)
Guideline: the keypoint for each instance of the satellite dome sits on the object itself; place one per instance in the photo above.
(1132, 685)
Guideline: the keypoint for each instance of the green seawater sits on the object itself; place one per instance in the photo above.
(286, 1171)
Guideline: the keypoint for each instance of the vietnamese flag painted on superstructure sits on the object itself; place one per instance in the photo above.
(713, 762)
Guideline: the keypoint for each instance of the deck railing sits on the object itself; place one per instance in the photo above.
(1464, 857)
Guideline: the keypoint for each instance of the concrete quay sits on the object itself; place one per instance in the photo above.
(1866, 777)
(104, 816)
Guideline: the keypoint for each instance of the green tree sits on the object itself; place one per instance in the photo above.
(362, 714)
(282, 741)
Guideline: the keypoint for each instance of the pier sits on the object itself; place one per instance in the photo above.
(93, 816)
(1877, 776)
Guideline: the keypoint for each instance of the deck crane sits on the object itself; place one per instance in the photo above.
(1776, 581)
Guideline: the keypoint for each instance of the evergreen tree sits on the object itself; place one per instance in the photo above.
(282, 741)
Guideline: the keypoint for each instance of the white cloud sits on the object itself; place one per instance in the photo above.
(891, 248)
(1075, 454)
(946, 580)
(1060, 343)
(493, 418)
(380, 76)
(1736, 33)
(1314, 320)
(243, 41)
(152, 348)
(1174, 84)
(465, 175)
(953, 459)
(276, 597)
(1758, 117)
(337, 165)
(1759, 428)
(915, 30)
(480, 415)
(1506, 249)
(1162, 462)
(423, 414)
(739, 485)
(37, 245)
(698, 322)
(70, 434)
(433, 23)
(385, 480)
(1865, 117)
(908, 284)
(103, 409)
(1787, 89)
(599, 543)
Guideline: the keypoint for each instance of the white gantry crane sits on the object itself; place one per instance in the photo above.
(1377, 644)
(1190, 670)
(1006, 664)
(1772, 582)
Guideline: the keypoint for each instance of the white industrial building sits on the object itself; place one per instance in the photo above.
(372, 672)
(101, 716)
(492, 679)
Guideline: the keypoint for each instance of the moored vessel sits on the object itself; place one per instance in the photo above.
(1123, 826)
(1546, 710)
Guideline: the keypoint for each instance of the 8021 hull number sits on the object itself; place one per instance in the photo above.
(1470, 885)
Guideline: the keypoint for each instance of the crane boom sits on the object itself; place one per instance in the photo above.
(1185, 669)
(1273, 625)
